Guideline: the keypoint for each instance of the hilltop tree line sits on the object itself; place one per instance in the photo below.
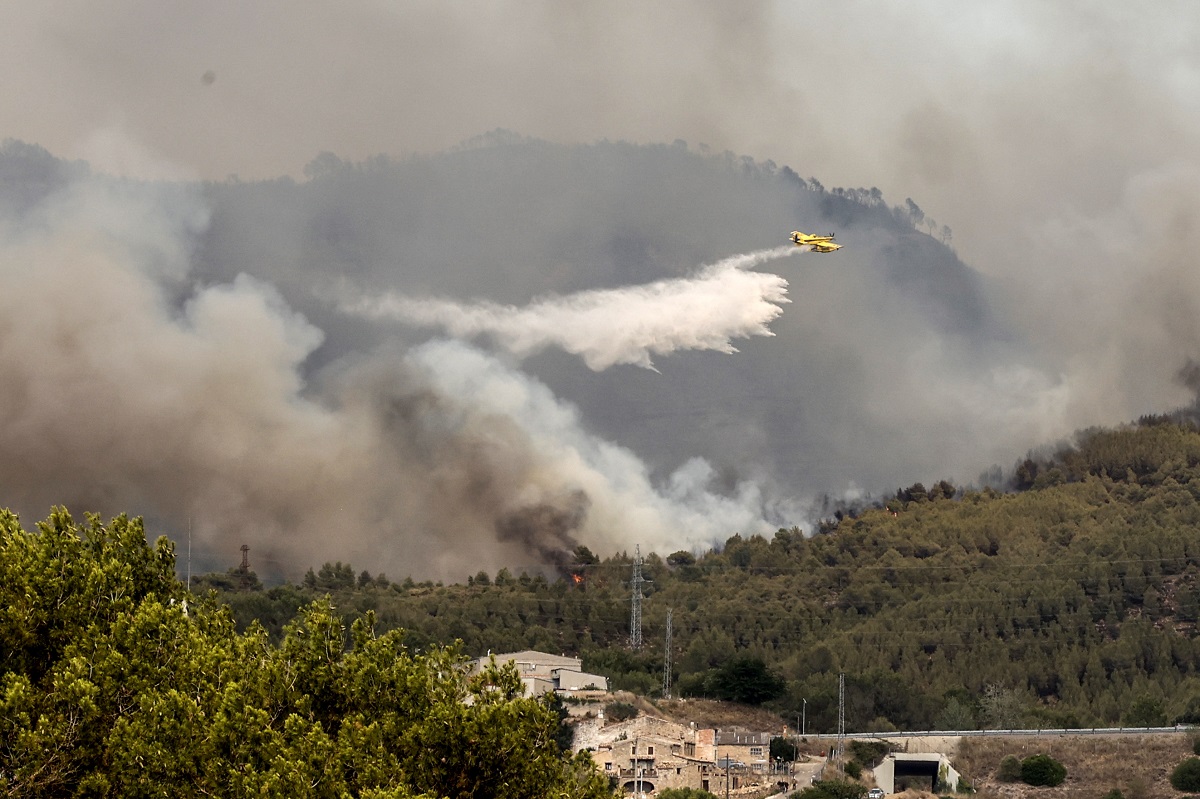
(1072, 601)
(115, 682)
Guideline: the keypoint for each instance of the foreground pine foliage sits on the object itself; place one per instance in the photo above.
(113, 684)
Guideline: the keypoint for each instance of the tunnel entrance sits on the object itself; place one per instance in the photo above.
(918, 774)
(922, 771)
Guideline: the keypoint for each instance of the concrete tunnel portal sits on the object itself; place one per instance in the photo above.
(906, 770)
(915, 770)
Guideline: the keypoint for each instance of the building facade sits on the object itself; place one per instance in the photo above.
(648, 754)
(542, 672)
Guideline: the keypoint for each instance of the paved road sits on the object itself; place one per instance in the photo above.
(970, 733)
(947, 742)
(804, 774)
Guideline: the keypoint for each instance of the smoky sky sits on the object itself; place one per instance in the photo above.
(211, 248)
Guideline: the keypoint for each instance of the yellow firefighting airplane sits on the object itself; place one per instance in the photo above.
(817, 243)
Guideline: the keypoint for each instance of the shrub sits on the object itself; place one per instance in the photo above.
(1010, 769)
(783, 749)
(684, 793)
(870, 753)
(1042, 770)
(1145, 711)
(1186, 776)
(833, 789)
(854, 769)
(620, 711)
(939, 784)
(1115, 793)
(1196, 745)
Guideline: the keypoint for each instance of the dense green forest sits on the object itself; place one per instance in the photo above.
(114, 682)
(1070, 600)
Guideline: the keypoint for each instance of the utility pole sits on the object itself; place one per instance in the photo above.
(841, 739)
(189, 559)
(717, 758)
(797, 736)
(716, 751)
(667, 660)
(635, 616)
(803, 716)
(245, 557)
(637, 772)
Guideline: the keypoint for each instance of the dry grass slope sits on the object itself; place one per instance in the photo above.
(1138, 766)
(710, 713)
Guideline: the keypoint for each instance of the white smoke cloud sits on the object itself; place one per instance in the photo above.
(128, 390)
(627, 325)
(625, 506)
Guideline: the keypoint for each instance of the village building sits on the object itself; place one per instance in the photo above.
(543, 673)
(647, 754)
(750, 749)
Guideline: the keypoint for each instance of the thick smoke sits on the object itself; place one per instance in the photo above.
(130, 389)
(612, 326)
(1057, 144)
(1048, 137)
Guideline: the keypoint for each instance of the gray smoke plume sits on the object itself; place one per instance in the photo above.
(131, 388)
(195, 354)
(196, 367)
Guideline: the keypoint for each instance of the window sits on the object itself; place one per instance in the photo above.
(650, 750)
(756, 751)
(608, 766)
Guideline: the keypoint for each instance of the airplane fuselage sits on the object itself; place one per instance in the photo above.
(816, 243)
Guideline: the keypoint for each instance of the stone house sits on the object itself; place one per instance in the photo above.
(647, 754)
(751, 749)
(542, 672)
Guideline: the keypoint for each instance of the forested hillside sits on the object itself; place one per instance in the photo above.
(1072, 600)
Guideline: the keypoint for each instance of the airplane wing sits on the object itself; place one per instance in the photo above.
(798, 237)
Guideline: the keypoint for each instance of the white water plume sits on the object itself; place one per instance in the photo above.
(703, 311)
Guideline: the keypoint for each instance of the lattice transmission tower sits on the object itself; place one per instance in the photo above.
(635, 615)
(667, 660)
